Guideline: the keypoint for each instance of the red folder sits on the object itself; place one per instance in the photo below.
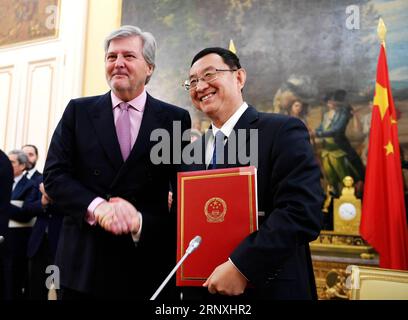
(220, 206)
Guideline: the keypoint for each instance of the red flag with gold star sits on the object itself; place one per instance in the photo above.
(383, 221)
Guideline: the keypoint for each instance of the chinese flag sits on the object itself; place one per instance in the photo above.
(383, 221)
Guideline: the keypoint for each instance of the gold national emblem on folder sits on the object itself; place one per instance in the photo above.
(215, 210)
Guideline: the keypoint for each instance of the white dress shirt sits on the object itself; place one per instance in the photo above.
(226, 129)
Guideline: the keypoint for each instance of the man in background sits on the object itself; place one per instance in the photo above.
(24, 194)
(31, 152)
(43, 241)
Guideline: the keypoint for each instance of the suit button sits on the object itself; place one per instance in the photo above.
(96, 172)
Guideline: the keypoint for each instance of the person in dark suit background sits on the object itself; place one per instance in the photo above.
(274, 261)
(43, 241)
(31, 151)
(24, 194)
(6, 184)
(118, 237)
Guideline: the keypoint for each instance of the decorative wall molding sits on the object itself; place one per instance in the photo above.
(40, 102)
(6, 83)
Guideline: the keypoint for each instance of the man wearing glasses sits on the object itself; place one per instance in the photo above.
(273, 262)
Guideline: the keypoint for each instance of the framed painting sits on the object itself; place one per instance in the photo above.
(26, 21)
(302, 58)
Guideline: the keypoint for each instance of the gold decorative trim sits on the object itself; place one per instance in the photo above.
(331, 241)
(361, 274)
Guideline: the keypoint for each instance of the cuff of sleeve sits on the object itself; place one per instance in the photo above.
(90, 216)
(237, 269)
(136, 235)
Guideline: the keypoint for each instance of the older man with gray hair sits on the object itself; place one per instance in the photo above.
(118, 236)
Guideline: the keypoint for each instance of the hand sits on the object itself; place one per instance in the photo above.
(45, 199)
(127, 215)
(170, 199)
(226, 280)
(105, 216)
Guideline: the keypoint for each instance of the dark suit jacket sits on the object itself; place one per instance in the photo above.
(17, 239)
(27, 191)
(84, 162)
(48, 222)
(6, 184)
(37, 177)
(276, 258)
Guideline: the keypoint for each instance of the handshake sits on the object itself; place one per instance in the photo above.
(118, 216)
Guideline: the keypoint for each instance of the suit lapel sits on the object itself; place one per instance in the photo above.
(19, 189)
(245, 122)
(153, 118)
(103, 123)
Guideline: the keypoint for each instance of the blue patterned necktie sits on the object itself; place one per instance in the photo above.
(218, 151)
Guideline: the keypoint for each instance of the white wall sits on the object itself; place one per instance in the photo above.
(38, 79)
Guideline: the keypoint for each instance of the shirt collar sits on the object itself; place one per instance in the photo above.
(229, 125)
(30, 172)
(138, 103)
(18, 178)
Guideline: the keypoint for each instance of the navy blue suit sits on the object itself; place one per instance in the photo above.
(37, 177)
(84, 162)
(15, 259)
(276, 258)
(49, 221)
(42, 243)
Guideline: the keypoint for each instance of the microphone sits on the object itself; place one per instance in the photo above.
(192, 246)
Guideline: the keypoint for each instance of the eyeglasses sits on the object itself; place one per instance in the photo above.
(209, 76)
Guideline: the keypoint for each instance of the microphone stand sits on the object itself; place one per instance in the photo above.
(194, 243)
